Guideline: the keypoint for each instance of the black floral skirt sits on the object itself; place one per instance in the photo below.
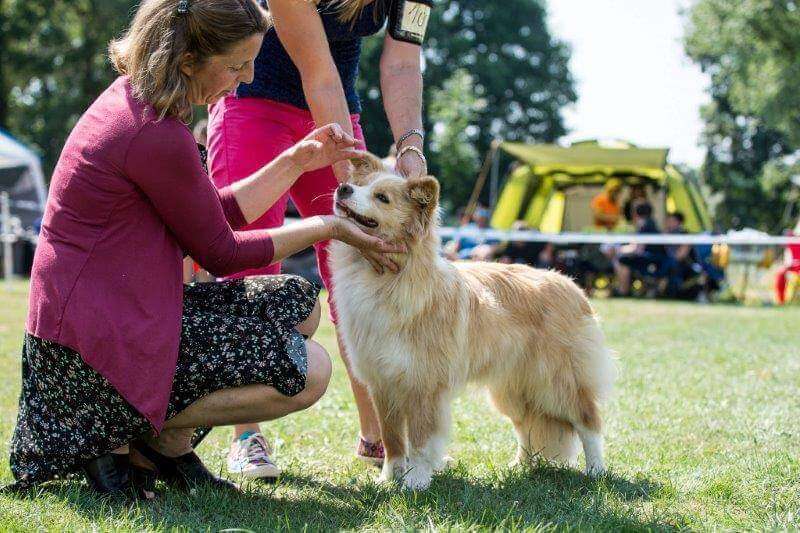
(234, 333)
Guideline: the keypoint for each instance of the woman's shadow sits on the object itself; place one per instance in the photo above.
(514, 498)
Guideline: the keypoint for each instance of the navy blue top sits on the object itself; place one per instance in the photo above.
(277, 78)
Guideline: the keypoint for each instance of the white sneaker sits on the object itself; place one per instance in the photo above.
(249, 458)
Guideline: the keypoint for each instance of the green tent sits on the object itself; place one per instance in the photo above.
(553, 186)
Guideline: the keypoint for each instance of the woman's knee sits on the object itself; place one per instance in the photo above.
(318, 376)
(309, 326)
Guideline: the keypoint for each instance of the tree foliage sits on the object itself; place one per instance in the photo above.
(751, 49)
(518, 70)
(452, 110)
(55, 65)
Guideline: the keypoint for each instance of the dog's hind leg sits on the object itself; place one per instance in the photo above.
(538, 435)
(588, 423)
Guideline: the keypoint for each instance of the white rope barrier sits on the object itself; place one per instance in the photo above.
(744, 238)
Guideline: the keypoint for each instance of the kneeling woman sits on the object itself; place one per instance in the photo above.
(117, 351)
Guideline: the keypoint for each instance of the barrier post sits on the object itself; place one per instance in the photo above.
(5, 231)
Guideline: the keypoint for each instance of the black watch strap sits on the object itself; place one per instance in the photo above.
(408, 20)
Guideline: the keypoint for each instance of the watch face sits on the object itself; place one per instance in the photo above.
(411, 20)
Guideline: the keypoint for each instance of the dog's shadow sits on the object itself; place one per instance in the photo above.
(508, 499)
(513, 498)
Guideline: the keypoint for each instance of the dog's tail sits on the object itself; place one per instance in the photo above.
(596, 366)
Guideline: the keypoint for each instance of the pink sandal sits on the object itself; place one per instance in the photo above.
(370, 452)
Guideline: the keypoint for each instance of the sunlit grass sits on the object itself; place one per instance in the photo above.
(703, 433)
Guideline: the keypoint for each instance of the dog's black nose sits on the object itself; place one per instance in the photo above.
(344, 191)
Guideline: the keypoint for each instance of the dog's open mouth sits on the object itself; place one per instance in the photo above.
(352, 215)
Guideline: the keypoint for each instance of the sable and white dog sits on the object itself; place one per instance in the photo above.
(529, 336)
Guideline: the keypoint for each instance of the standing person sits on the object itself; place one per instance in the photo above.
(305, 74)
(605, 206)
(636, 195)
(791, 265)
(116, 348)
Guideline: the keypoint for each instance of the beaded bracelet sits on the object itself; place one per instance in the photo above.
(416, 151)
(410, 133)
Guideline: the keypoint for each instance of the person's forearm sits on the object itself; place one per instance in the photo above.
(257, 193)
(401, 85)
(293, 238)
(327, 103)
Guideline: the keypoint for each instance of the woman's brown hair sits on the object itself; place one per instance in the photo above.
(163, 32)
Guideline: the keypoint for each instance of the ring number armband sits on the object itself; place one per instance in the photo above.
(408, 20)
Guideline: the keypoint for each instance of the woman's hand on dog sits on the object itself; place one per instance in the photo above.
(322, 148)
(374, 250)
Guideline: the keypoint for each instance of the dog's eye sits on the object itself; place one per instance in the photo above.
(382, 198)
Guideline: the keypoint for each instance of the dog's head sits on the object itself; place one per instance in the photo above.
(387, 205)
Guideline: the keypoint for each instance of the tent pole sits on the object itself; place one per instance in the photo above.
(481, 181)
(5, 231)
(493, 183)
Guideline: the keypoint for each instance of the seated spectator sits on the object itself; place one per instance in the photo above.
(637, 195)
(682, 261)
(536, 254)
(605, 206)
(472, 246)
(645, 259)
(791, 264)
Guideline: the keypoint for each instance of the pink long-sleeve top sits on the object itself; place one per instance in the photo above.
(128, 197)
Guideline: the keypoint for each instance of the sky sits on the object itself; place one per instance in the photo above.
(634, 81)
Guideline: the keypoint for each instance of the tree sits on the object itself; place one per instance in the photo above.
(739, 154)
(754, 46)
(452, 110)
(4, 43)
(751, 50)
(55, 64)
(518, 69)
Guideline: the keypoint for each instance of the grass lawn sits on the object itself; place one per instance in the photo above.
(703, 433)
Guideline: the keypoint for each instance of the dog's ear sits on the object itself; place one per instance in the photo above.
(424, 195)
(424, 192)
(365, 164)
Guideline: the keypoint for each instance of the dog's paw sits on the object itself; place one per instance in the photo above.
(392, 470)
(417, 480)
(442, 464)
(595, 470)
(418, 476)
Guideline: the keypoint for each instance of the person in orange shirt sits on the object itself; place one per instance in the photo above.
(605, 206)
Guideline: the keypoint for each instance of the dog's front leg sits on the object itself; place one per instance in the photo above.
(391, 416)
(428, 427)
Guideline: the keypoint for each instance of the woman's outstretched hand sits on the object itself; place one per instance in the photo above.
(374, 250)
(323, 147)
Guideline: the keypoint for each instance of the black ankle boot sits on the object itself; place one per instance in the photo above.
(109, 473)
(185, 471)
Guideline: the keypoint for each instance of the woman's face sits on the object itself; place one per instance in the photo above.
(221, 74)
